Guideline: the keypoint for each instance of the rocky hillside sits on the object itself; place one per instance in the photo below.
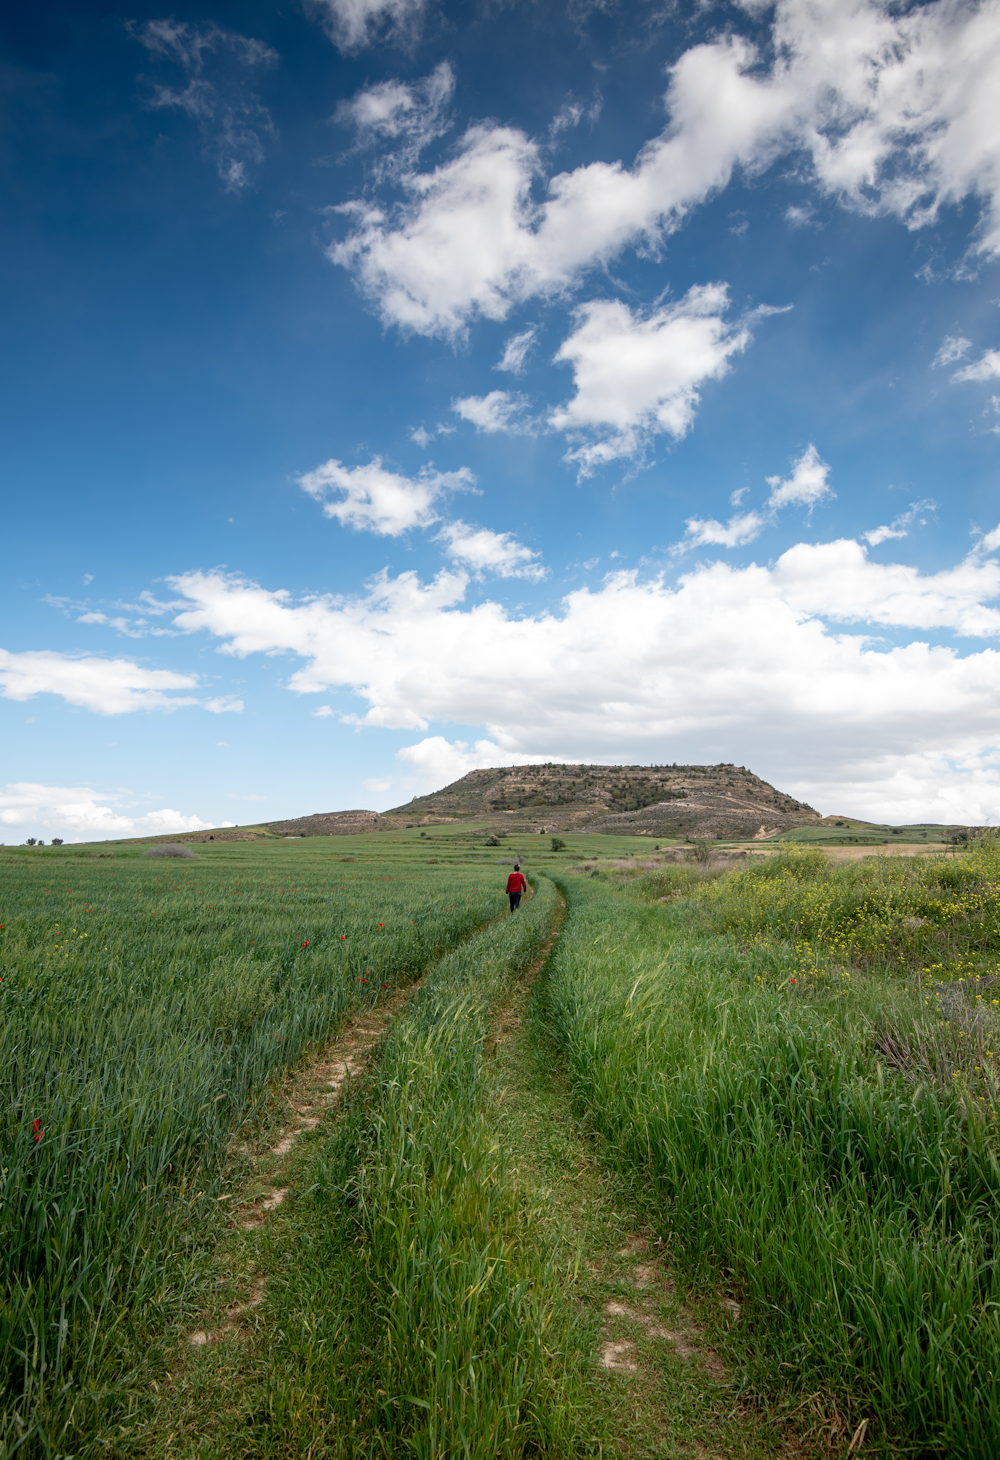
(327, 823)
(668, 801)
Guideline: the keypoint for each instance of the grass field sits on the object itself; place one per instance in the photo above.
(147, 1009)
(787, 1072)
(810, 1126)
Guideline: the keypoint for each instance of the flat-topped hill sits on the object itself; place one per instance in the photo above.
(669, 801)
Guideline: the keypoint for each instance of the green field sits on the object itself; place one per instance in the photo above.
(781, 1079)
(843, 832)
(148, 1008)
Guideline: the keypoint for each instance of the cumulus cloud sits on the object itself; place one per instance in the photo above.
(81, 814)
(106, 686)
(806, 486)
(752, 664)
(353, 24)
(987, 367)
(900, 526)
(740, 529)
(372, 499)
(955, 347)
(515, 352)
(403, 119)
(493, 412)
(890, 113)
(637, 375)
(484, 551)
(227, 112)
(439, 760)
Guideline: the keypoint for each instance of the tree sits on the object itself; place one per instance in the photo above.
(30, 842)
(558, 845)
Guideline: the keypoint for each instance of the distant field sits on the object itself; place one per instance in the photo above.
(845, 833)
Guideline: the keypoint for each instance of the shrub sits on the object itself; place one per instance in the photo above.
(558, 845)
(173, 849)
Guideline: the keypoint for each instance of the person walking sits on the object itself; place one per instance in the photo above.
(515, 886)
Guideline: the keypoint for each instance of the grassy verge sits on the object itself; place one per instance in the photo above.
(850, 1209)
(146, 1011)
(410, 1308)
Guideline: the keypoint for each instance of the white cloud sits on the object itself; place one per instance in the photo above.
(352, 24)
(736, 532)
(84, 815)
(377, 500)
(893, 113)
(227, 113)
(800, 217)
(482, 550)
(106, 686)
(491, 413)
(953, 348)
(515, 352)
(421, 437)
(223, 705)
(441, 760)
(748, 664)
(636, 375)
(324, 712)
(375, 784)
(456, 245)
(987, 367)
(806, 486)
(900, 526)
(406, 117)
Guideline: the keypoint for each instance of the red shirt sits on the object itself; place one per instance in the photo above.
(516, 883)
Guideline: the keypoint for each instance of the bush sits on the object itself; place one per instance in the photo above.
(558, 845)
(173, 849)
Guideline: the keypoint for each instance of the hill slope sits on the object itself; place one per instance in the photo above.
(668, 801)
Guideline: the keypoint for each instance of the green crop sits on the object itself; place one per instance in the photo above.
(146, 1010)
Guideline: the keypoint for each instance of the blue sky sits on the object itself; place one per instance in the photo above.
(392, 388)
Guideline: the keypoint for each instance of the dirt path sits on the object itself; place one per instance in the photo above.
(307, 1096)
(660, 1387)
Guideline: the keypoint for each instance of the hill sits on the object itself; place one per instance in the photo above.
(668, 801)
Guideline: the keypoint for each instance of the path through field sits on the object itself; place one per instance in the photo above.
(658, 1389)
(656, 1386)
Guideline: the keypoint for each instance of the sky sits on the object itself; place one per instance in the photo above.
(392, 388)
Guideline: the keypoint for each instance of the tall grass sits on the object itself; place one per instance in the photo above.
(939, 916)
(147, 1009)
(456, 1340)
(852, 1209)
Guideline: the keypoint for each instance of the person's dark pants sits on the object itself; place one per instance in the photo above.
(515, 900)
